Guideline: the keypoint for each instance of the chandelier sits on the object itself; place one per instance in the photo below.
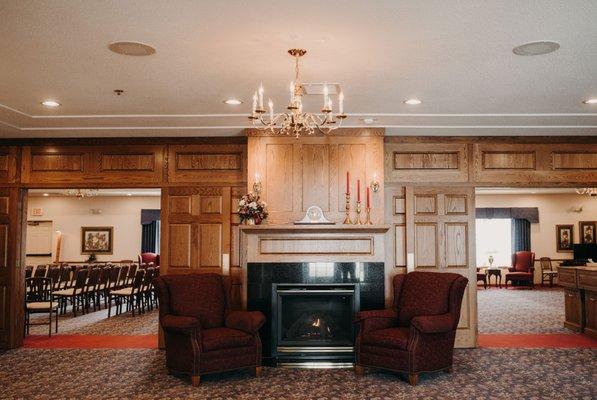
(589, 191)
(295, 121)
(80, 193)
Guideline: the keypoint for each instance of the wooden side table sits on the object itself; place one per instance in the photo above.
(497, 272)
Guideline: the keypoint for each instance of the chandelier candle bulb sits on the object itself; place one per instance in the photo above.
(325, 95)
(341, 103)
(291, 92)
(270, 104)
(254, 102)
(261, 96)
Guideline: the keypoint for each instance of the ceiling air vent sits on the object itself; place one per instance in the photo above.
(131, 48)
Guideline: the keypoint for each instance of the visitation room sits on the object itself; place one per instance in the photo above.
(348, 199)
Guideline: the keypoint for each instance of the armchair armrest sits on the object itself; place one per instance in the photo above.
(179, 323)
(247, 321)
(434, 323)
(373, 320)
(511, 269)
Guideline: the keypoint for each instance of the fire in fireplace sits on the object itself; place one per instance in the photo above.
(313, 321)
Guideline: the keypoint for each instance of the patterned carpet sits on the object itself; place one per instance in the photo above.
(140, 374)
(540, 310)
(98, 323)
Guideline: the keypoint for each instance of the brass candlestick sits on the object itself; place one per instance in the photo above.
(368, 220)
(358, 221)
(347, 220)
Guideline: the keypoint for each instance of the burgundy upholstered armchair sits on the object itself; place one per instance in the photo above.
(523, 268)
(146, 258)
(417, 334)
(202, 334)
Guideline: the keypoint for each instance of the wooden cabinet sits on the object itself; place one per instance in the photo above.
(580, 295)
(573, 307)
(591, 313)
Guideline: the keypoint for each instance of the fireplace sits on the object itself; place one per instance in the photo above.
(313, 321)
(293, 295)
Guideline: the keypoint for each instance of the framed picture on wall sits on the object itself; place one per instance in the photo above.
(97, 239)
(564, 238)
(587, 231)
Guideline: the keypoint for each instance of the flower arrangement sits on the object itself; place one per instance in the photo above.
(251, 209)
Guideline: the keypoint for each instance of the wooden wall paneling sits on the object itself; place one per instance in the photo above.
(444, 241)
(8, 164)
(91, 165)
(217, 164)
(279, 177)
(424, 162)
(11, 271)
(295, 179)
(315, 168)
(542, 164)
(426, 251)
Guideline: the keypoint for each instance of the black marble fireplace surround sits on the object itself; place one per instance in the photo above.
(366, 278)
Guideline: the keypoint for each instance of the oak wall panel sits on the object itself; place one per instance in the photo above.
(88, 165)
(311, 170)
(179, 246)
(509, 160)
(315, 167)
(543, 163)
(426, 245)
(206, 164)
(279, 166)
(417, 162)
(574, 160)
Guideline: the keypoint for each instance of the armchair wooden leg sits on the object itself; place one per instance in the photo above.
(359, 370)
(195, 380)
(450, 370)
(257, 371)
(413, 379)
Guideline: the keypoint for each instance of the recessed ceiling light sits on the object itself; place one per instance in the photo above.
(412, 102)
(129, 194)
(46, 194)
(536, 48)
(368, 120)
(590, 101)
(233, 102)
(50, 103)
(131, 48)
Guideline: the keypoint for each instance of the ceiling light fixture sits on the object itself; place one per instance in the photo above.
(295, 121)
(46, 194)
(412, 102)
(50, 103)
(368, 120)
(536, 48)
(590, 101)
(233, 102)
(589, 191)
(81, 193)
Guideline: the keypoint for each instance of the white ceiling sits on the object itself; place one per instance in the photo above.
(456, 56)
(527, 190)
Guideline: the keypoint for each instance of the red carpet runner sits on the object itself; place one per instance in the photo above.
(506, 341)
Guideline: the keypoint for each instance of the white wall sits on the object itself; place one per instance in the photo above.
(70, 214)
(554, 209)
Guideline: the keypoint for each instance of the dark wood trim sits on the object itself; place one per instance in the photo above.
(122, 141)
(492, 139)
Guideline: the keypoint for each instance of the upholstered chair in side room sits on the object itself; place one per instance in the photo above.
(202, 333)
(522, 269)
(417, 334)
(146, 258)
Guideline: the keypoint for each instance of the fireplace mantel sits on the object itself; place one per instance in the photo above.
(271, 243)
(336, 229)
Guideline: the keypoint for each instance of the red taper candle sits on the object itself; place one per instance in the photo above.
(347, 182)
(368, 200)
(358, 190)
